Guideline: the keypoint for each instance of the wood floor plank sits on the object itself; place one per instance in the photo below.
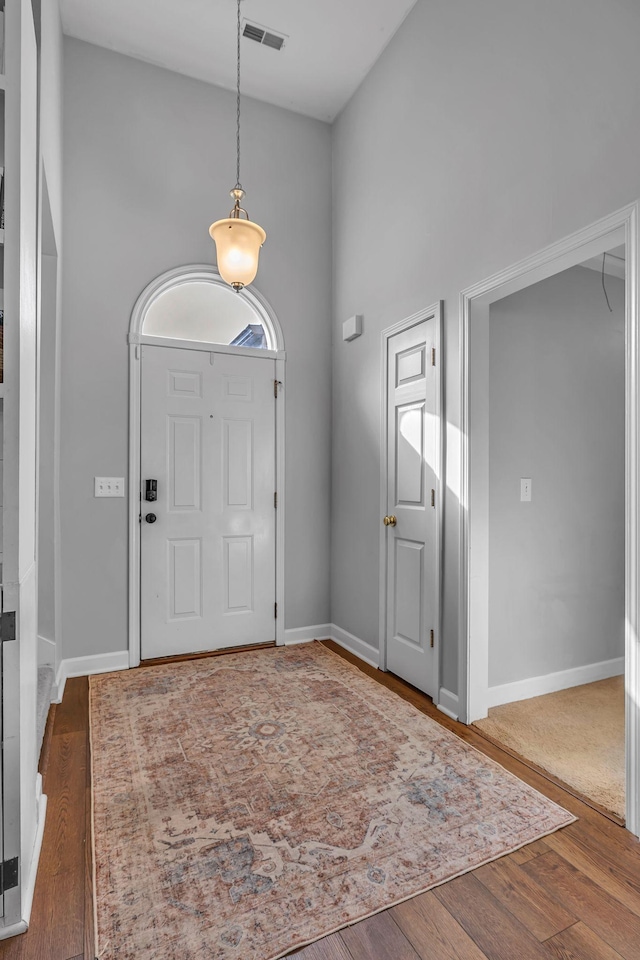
(72, 713)
(330, 948)
(601, 830)
(432, 931)
(378, 938)
(522, 897)
(608, 918)
(524, 854)
(59, 933)
(609, 852)
(497, 932)
(580, 943)
(616, 881)
(56, 930)
(89, 937)
(89, 924)
(45, 751)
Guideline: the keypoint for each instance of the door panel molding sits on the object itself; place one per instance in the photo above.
(409, 367)
(623, 226)
(136, 339)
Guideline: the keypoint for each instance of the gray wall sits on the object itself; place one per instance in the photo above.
(556, 415)
(149, 161)
(484, 132)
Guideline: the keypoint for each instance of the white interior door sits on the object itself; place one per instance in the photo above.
(412, 504)
(208, 558)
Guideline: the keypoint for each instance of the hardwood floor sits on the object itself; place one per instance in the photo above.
(573, 896)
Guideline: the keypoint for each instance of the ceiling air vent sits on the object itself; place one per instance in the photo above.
(253, 31)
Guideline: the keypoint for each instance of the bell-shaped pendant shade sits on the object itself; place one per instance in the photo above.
(238, 243)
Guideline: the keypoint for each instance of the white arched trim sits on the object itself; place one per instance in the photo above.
(202, 273)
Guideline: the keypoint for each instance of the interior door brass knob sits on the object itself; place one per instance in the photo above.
(390, 521)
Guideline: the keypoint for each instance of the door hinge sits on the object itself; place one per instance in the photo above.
(433, 498)
(8, 875)
(276, 384)
(433, 356)
(431, 639)
(275, 500)
(7, 627)
(275, 611)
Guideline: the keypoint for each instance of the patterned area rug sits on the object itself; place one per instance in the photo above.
(249, 804)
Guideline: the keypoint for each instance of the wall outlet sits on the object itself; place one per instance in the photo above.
(109, 487)
(525, 489)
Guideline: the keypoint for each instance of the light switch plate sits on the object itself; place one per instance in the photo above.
(525, 489)
(109, 487)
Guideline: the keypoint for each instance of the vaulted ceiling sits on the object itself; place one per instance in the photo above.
(329, 48)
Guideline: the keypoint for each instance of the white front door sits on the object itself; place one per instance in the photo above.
(208, 557)
(412, 549)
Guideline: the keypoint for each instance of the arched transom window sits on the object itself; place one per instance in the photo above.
(207, 310)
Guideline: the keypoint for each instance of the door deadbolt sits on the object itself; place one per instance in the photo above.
(151, 518)
(151, 490)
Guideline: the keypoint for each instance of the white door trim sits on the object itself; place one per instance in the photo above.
(433, 312)
(201, 273)
(619, 227)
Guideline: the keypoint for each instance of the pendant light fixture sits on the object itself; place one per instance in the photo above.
(237, 238)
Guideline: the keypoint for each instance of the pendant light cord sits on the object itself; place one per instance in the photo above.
(603, 286)
(238, 184)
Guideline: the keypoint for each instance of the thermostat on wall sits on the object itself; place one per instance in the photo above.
(352, 327)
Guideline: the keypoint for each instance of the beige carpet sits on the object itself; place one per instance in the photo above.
(576, 735)
(249, 804)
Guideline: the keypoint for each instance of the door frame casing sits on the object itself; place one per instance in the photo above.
(621, 226)
(208, 274)
(435, 312)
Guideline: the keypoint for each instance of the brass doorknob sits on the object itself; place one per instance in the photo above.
(390, 521)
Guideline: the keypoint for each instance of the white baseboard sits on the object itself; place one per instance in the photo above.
(360, 648)
(330, 631)
(13, 930)
(30, 884)
(551, 682)
(448, 703)
(321, 631)
(87, 666)
(29, 878)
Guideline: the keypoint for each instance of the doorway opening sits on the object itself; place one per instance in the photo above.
(551, 577)
(206, 512)
(556, 527)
